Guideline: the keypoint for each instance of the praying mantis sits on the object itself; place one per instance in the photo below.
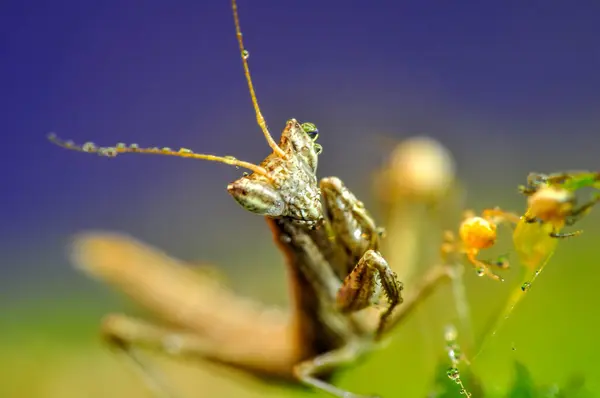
(337, 273)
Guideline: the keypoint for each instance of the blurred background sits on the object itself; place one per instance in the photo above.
(509, 88)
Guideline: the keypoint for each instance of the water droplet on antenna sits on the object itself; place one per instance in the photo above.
(88, 147)
(108, 152)
(453, 374)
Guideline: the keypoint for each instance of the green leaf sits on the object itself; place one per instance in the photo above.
(523, 385)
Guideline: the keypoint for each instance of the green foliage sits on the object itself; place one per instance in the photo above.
(523, 385)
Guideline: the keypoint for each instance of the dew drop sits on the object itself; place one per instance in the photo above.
(455, 355)
(525, 286)
(233, 160)
(88, 147)
(450, 334)
(480, 271)
(245, 54)
(134, 147)
(121, 145)
(108, 152)
(453, 374)
(185, 150)
(166, 149)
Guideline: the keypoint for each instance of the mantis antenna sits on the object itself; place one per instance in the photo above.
(112, 151)
(245, 55)
(120, 148)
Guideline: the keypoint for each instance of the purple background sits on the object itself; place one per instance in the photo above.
(508, 88)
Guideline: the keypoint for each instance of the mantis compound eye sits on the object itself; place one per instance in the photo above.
(311, 130)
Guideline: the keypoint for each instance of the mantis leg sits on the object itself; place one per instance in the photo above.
(363, 286)
(129, 336)
(308, 371)
(126, 335)
(208, 320)
(427, 285)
